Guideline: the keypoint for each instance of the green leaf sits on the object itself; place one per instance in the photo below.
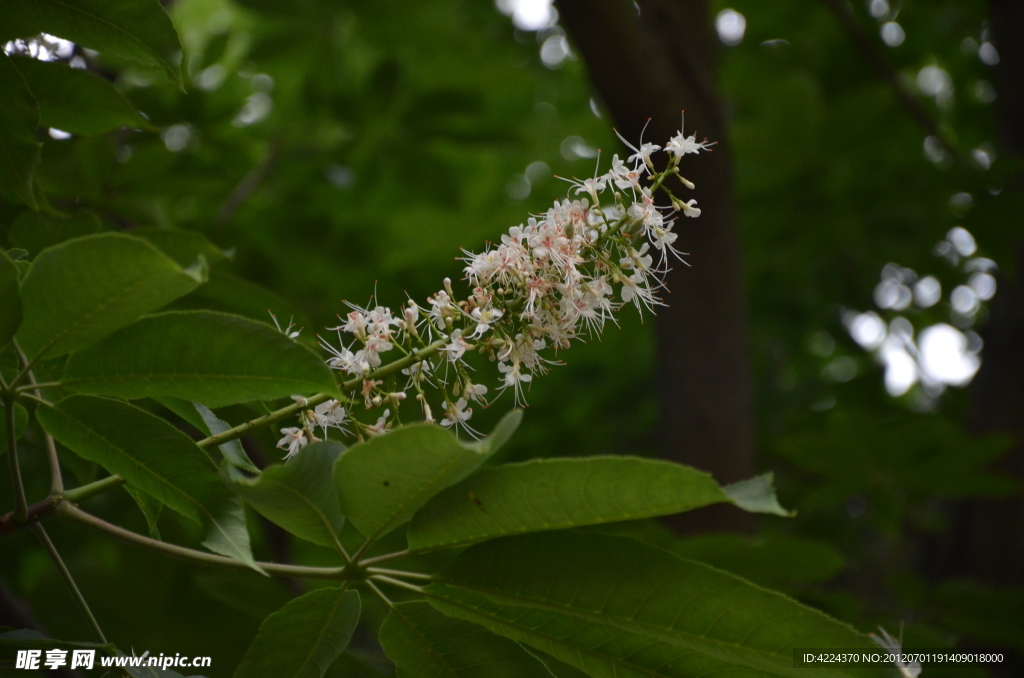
(555, 668)
(213, 358)
(36, 231)
(231, 294)
(610, 606)
(10, 300)
(150, 508)
(757, 495)
(553, 494)
(19, 149)
(776, 562)
(76, 100)
(228, 532)
(247, 592)
(300, 495)
(79, 291)
(181, 245)
(424, 643)
(232, 449)
(136, 31)
(304, 637)
(20, 422)
(386, 479)
(155, 458)
(186, 410)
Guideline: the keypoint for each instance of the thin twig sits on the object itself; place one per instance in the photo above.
(399, 573)
(70, 581)
(380, 594)
(384, 558)
(396, 582)
(74, 514)
(56, 479)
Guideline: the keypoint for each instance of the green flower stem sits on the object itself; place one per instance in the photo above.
(292, 410)
(20, 502)
(70, 581)
(71, 513)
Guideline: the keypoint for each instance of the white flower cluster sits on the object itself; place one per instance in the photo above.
(547, 282)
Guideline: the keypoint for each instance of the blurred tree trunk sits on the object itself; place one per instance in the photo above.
(650, 62)
(989, 542)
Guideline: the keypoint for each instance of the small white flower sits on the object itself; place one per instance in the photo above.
(381, 427)
(355, 324)
(330, 415)
(689, 209)
(623, 176)
(484, 317)
(514, 378)
(294, 440)
(895, 647)
(474, 392)
(457, 346)
(457, 413)
(679, 145)
(441, 308)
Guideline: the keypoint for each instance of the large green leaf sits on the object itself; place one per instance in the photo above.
(10, 300)
(19, 149)
(20, 422)
(424, 643)
(181, 245)
(386, 479)
(35, 231)
(76, 100)
(611, 606)
(136, 31)
(300, 495)
(213, 358)
(79, 291)
(231, 294)
(304, 637)
(552, 494)
(776, 562)
(155, 458)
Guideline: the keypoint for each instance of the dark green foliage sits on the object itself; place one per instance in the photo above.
(304, 637)
(136, 31)
(17, 134)
(425, 643)
(10, 315)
